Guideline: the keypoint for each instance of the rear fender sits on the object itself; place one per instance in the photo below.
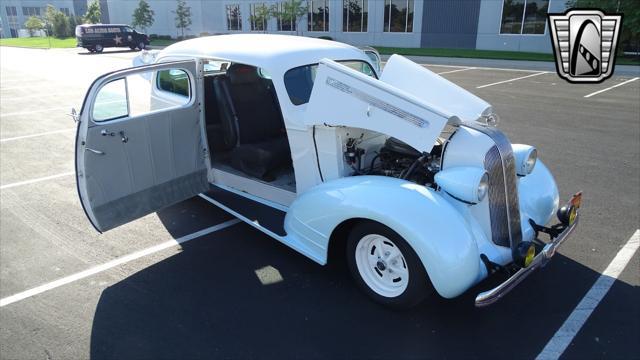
(436, 231)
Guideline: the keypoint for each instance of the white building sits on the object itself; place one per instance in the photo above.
(516, 25)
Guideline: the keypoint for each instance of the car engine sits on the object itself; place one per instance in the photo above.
(397, 159)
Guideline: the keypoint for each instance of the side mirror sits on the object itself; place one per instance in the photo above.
(74, 115)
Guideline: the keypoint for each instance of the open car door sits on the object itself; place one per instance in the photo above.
(139, 143)
(408, 102)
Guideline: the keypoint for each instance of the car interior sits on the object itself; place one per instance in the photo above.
(245, 127)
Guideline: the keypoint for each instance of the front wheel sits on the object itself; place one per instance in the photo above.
(142, 45)
(385, 267)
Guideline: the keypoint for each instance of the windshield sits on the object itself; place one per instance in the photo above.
(299, 81)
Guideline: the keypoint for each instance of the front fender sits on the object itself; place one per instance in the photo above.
(435, 230)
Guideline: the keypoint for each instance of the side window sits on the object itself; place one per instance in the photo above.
(299, 81)
(174, 81)
(134, 95)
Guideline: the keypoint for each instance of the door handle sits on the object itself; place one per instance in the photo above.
(123, 137)
(98, 152)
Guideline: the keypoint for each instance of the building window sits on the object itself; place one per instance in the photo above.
(234, 20)
(398, 15)
(259, 13)
(354, 15)
(286, 22)
(524, 16)
(318, 16)
(65, 11)
(11, 11)
(30, 11)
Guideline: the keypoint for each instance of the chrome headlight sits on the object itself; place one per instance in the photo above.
(526, 157)
(483, 187)
(465, 183)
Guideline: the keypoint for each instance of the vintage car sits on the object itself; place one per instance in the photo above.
(400, 171)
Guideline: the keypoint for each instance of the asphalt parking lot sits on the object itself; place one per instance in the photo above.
(67, 292)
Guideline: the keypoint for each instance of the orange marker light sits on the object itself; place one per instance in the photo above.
(576, 200)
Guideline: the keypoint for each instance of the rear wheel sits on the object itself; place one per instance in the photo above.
(132, 47)
(99, 48)
(385, 267)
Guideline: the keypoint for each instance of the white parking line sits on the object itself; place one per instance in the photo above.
(481, 68)
(113, 263)
(33, 111)
(563, 337)
(611, 87)
(39, 86)
(36, 135)
(510, 80)
(32, 181)
(453, 71)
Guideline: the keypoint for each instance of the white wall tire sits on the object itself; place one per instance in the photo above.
(385, 267)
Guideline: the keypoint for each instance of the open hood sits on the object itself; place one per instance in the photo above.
(408, 102)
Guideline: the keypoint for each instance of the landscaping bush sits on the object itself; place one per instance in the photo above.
(324, 37)
(153, 36)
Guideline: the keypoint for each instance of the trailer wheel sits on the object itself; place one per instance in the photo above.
(142, 45)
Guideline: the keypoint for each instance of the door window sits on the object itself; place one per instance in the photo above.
(111, 101)
(135, 95)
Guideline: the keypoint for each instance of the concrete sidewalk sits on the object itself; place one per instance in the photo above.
(620, 70)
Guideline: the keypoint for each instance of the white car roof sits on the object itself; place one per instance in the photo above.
(277, 53)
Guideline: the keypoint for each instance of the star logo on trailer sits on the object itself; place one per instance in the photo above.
(584, 43)
(118, 39)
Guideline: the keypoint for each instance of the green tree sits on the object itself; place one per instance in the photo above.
(33, 24)
(143, 16)
(183, 16)
(71, 29)
(49, 15)
(261, 16)
(629, 37)
(60, 25)
(93, 14)
(290, 11)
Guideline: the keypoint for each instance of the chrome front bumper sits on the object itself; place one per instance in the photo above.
(490, 296)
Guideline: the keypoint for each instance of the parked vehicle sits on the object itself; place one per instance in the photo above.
(304, 139)
(97, 37)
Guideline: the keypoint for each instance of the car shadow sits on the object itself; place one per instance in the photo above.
(237, 293)
(108, 52)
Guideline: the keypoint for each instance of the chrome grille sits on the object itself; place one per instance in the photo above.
(504, 207)
(497, 198)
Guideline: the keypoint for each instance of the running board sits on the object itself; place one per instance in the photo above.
(258, 213)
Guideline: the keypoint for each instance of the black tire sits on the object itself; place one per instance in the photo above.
(132, 47)
(99, 48)
(419, 286)
(141, 45)
(91, 50)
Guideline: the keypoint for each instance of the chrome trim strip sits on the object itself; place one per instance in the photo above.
(375, 102)
(491, 296)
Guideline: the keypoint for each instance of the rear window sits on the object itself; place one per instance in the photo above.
(299, 81)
